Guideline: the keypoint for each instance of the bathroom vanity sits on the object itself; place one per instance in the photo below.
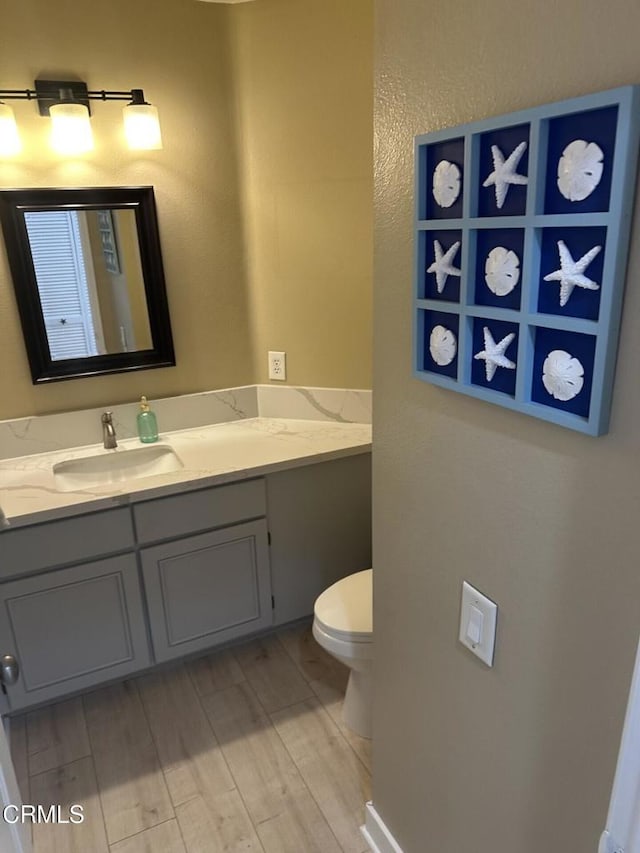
(97, 585)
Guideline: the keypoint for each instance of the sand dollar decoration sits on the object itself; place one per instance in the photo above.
(580, 169)
(562, 375)
(501, 270)
(442, 345)
(446, 183)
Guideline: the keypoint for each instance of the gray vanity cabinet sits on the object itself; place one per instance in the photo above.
(204, 590)
(99, 596)
(72, 628)
(211, 581)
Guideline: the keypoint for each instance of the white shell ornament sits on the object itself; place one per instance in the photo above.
(501, 270)
(442, 345)
(580, 169)
(446, 183)
(562, 375)
(504, 172)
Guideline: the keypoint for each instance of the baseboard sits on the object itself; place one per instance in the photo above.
(376, 833)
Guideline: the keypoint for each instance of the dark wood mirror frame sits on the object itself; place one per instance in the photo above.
(14, 204)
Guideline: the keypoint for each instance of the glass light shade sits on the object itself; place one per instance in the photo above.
(70, 128)
(142, 127)
(9, 138)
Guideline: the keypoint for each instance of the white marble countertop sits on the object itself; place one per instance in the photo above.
(211, 455)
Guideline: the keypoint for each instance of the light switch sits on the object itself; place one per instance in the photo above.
(478, 618)
(474, 626)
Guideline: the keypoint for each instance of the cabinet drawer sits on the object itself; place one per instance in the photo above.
(54, 543)
(178, 515)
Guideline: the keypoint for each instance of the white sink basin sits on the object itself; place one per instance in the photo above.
(114, 466)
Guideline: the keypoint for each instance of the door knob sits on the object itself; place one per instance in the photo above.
(9, 669)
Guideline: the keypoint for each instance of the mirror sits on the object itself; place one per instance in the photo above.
(88, 277)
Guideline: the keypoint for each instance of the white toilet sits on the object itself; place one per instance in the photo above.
(343, 626)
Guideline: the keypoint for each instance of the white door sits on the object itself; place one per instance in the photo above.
(14, 837)
(63, 273)
(622, 834)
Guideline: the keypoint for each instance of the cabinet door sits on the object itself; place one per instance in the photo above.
(72, 628)
(206, 589)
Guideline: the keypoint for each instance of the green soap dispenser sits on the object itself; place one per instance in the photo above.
(147, 423)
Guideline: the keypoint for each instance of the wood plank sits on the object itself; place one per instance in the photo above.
(222, 824)
(57, 735)
(332, 699)
(73, 784)
(336, 778)
(216, 671)
(164, 838)
(283, 811)
(132, 787)
(18, 745)
(313, 662)
(271, 673)
(189, 753)
(327, 678)
(210, 810)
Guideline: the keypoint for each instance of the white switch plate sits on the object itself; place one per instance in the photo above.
(472, 598)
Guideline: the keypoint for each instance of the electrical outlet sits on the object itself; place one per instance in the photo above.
(278, 365)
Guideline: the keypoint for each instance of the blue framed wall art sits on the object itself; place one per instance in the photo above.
(521, 235)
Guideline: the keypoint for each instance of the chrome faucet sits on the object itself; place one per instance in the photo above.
(108, 432)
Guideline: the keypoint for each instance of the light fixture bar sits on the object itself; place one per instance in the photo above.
(67, 102)
(47, 93)
(24, 94)
(89, 94)
(102, 95)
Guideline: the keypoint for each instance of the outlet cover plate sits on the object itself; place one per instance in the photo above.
(472, 601)
(277, 365)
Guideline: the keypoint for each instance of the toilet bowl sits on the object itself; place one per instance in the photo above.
(343, 626)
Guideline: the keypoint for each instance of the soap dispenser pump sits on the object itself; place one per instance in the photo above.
(147, 423)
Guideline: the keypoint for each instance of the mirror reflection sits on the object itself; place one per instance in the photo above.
(89, 278)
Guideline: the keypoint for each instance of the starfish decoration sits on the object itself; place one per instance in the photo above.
(443, 264)
(493, 353)
(504, 171)
(570, 274)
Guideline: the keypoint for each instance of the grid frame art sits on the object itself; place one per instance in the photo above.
(522, 226)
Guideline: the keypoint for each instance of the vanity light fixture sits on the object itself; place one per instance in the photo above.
(10, 143)
(70, 125)
(141, 124)
(67, 104)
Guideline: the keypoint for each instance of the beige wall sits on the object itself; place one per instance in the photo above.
(304, 83)
(133, 298)
(178, 52)
(104, 287)
(518, 759)
(295, 76)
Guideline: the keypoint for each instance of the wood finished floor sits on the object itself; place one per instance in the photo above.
(242, 751)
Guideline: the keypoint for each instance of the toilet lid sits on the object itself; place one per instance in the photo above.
(346, 608)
